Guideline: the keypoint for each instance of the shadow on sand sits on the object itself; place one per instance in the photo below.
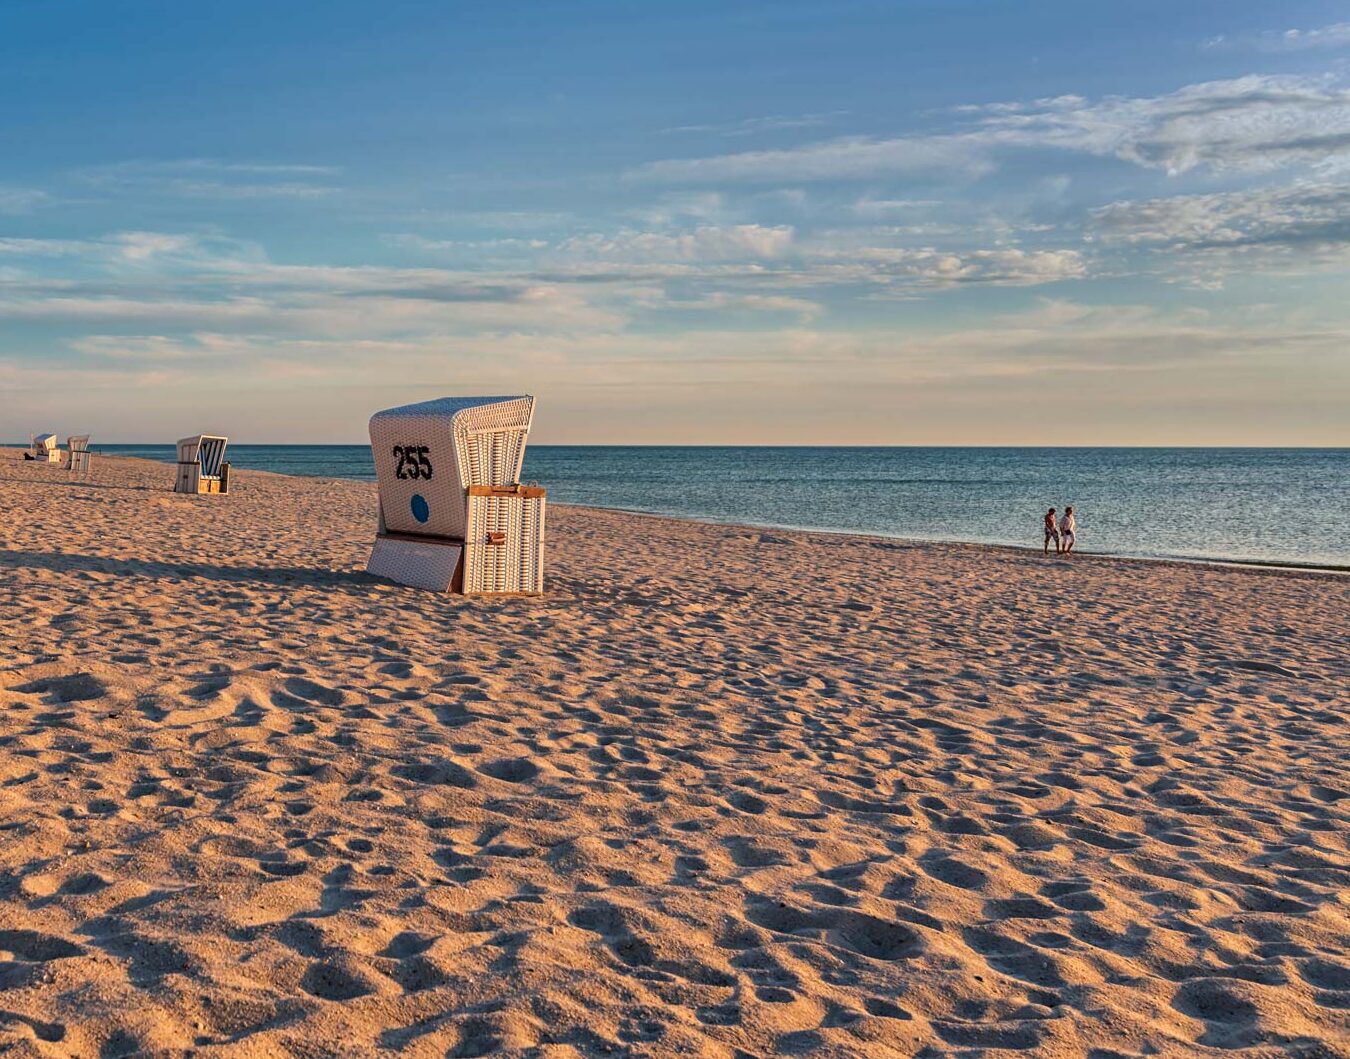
(84, 483)
(277, 575)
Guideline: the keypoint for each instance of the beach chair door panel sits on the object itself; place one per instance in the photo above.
(503, 549)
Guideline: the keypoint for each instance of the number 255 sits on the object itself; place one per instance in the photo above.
(412, 461)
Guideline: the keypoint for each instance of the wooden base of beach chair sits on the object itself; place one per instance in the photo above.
(203, 486)
(191, 480)
(419, 562)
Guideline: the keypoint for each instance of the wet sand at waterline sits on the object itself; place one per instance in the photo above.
(721, 791)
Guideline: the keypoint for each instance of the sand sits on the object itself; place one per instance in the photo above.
(720, 792)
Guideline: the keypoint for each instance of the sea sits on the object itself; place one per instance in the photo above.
(1237, 504)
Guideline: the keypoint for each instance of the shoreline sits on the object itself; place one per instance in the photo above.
(1270, 565)
(1275, 565)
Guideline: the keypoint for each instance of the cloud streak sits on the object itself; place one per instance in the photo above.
(1336, 35)
(705, 243)
(208, 178)
(753, 126)
(1253, 123)
(16, 201)
(849, 158)
(1303, 227)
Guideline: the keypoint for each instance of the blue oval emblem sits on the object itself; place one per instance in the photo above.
(420, 508)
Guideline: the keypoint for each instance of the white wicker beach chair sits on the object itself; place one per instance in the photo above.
(42, 447)
(201, 465)
(452, 512)
(78, 457)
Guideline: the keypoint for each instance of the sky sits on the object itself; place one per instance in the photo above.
(732, 222)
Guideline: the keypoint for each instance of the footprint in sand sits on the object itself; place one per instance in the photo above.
(75, 687)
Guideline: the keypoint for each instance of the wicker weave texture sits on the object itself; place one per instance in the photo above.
(490, 441)
(432, 506)
(427, 454)
(517, 563)
(491, 457)
(419, 564)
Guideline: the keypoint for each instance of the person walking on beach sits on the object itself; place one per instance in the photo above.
(1068, 531)
(1051, 532)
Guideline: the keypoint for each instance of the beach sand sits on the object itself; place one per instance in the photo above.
(721, 791)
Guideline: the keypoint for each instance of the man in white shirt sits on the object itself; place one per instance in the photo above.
(1068, 531)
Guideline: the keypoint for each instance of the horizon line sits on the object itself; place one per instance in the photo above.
(744, 445)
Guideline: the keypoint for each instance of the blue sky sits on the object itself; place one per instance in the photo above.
(852, 222)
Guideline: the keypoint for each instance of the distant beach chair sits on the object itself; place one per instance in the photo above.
(453, 514)
(201, 465)
(42, 447)
(78, 457)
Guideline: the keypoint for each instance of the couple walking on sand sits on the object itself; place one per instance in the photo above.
(1063, 533)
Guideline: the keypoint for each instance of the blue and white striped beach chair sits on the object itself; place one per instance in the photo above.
(201, 465)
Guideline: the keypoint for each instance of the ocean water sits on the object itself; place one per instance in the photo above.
(1274, 505)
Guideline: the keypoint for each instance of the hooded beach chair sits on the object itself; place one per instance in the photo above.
(42, 447)
(78, 456)
(453, 514)
(201, 465)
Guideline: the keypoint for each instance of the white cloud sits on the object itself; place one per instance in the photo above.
(1102, 374)
(329, 314)
(705, 243)
(72, 308)
(1298, 228)
(418, 242)
(599, 282)
(1058, 338)
(724, 302)
(208, 178)
(863, 255)
(207, 283)
(143, 246)
(146, 167)
(1250, 123)
(751, 255)
(752, 126)
(880, 208)
(706, 207)
(15, 201)
(215, 189)
(137, 249)
(1306, 215)
(1336, 35)
(492, 220)
(851, 158)
(1003, 268)
(45, 247)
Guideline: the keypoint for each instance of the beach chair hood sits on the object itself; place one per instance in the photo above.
(428, 454)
